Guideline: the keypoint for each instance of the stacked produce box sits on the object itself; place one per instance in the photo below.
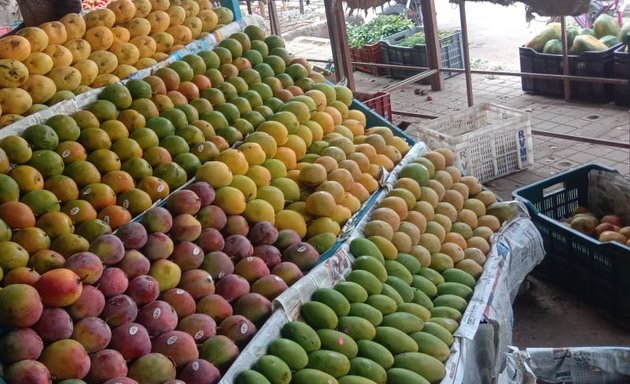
(144, 238)
(591, 54)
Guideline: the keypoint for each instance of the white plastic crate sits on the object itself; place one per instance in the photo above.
(490, 140)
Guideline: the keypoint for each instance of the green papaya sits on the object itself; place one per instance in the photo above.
(609, 40)
(553, 47)
(448, 312)
(539, 41)
(605, 25)
(421, 298)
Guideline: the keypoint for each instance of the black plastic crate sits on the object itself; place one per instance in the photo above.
(589, 64)
(598, 273)
(622, 71)
(451, 48)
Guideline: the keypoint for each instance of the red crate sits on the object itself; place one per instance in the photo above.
(368, 54)
(381, 104)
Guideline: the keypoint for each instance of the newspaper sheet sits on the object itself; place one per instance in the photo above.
(609, 193)
(584, 365)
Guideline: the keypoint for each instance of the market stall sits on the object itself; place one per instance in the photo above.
(169, 222)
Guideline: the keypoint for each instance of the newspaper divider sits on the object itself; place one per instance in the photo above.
(579, 365)
(82, 100)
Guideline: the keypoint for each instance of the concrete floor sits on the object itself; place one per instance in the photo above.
(545, 316)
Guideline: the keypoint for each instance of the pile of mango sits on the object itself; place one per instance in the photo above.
(393, 318)
(281, 163)
(41, 66)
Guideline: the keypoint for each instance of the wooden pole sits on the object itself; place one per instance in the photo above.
(339, 41)
(565, 57)
(273, 18)
(466, 51)
(434, 54)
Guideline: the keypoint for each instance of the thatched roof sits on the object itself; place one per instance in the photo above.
(546, 7)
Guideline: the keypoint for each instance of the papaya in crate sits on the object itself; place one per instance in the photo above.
(539, 41)
(610, 40)
(587, 43)
(553, 47)
(605, 25)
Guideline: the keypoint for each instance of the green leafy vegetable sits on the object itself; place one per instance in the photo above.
(376, 29)
(419, 39)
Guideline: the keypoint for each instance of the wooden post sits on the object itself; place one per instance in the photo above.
(434, 54)
(234, 6)
(466, 52)
(274, 23)
(339, 41)
(565, 58)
